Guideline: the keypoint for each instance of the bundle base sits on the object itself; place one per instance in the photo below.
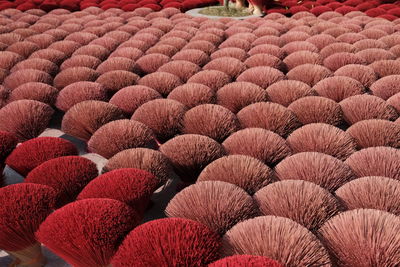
(240, 4)
(28, 257)
(257, 10)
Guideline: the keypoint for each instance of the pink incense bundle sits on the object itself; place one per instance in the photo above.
(26, 119)
(263, 76)
(386, 86)
(364, 74)
(315, 109)
(277, 238)
(363, 237)
(270, 116)
(339, 88)
(190, 153)
(132, 97)
(146, 159)
(365, 107)
(218, 205)
(210, 120)
(193, 94)
(310, 74)
(259, 143)
(22, 76)
(214, 79)
(244, 171)
(370, 133)
(162, 82)
(119, 135)
(305, 203)
(371, 192)
(195, 56)
(85, 118)
(287, 91)
(386, 162)
(318, 168)
(324, 138)
(163, 116)
(228, 65)
(237, 95)
(35, 91)
(78, 92)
